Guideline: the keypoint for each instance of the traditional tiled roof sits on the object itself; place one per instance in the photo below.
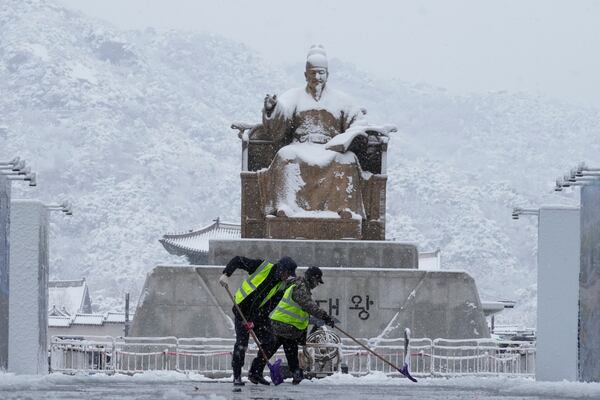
(69, 296)
(195, 242)
(55, 321)
(55, 312)
(88, 319)
(116, 318)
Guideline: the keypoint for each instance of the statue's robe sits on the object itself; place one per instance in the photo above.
(305, 179)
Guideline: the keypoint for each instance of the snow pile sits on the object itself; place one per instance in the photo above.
(315, 154)
(133, 127)
(17, 382)
(36, 386)
(500, 385)
(521, 386)
(293, 183)
(375, 378)
(177, 385)
(343, 141)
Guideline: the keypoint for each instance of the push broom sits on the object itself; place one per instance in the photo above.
(405, 370)
(275, 368)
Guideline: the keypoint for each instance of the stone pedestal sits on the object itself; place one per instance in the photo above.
(313, 228)
(176, 301)
(372, 287)
(369, 302)
(322, 253)
(4, 268)
(558, 293)
(28, 321)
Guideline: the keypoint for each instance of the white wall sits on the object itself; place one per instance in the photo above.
(106, 329)
(557, 294)
(28, 301)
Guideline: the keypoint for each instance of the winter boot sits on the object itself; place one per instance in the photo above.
(237, 381)
(256, 379)
(297, 376)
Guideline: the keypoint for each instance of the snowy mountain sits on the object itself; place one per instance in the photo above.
(133, 127)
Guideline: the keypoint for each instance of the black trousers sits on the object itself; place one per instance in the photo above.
(261, 329)
(290, 347)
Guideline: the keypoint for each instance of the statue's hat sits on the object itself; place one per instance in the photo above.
(316, 57)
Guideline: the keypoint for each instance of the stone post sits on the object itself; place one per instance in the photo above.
(589, 285)
(4, 259)
(28, 321)
(557, 294)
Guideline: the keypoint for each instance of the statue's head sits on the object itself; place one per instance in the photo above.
(316, 72)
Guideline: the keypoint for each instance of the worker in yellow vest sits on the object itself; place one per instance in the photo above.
(258, 295)
(289, 322)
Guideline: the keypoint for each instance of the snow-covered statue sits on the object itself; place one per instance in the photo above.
(315, 159)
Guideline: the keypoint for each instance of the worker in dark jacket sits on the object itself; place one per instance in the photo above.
(289, 321)
(258, 295)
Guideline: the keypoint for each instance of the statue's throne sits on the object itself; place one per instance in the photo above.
(258, 151)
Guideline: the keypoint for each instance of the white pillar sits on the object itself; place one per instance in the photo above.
(589, 285)
(557, 294)
(28, 306)
(4, 253)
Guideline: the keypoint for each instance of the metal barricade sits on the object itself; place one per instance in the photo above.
(482, 357)
(81, 353)
(137, 354)
(361, 362)
(212, 356)
(205, 355)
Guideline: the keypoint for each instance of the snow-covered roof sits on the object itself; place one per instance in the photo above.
(88, 319)
(55, 321)
(196, 241)
(56, 312)
(115, 317)
(513, 330)
(70, 296)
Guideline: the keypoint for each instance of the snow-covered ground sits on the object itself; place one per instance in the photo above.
(172, 385)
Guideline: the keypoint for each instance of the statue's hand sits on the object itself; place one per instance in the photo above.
(270, 103)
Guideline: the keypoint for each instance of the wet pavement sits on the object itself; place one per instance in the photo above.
(129, 388)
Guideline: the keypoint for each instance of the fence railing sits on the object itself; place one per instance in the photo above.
(212, 356)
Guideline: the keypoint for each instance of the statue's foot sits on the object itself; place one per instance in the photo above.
(281, 213)
(345, 214)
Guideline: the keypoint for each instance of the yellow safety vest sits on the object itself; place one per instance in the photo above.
(250, 284)
(289, 312)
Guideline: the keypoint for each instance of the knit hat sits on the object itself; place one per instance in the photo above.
(287, 264)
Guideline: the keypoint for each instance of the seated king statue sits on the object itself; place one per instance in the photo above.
(323, 141)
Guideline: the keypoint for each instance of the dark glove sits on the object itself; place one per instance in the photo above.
(329, 321)
(248, 326)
